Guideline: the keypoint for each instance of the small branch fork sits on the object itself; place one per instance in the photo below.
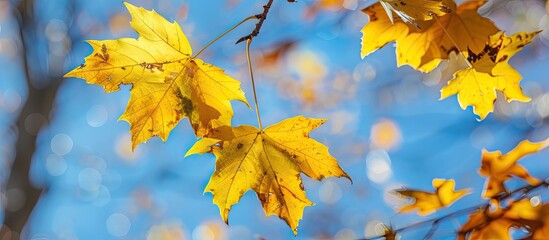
(259, 24)
(519, 193)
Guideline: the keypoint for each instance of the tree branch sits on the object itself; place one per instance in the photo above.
(523, 191)
(261, 17)
(39, 101)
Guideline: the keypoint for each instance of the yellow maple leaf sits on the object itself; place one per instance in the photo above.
(428, 202)
(423, 49)
(168, 84)
(495, 224)
(476, 86)
(380, 30)
(498, 167)
(268, 162)
(415, 11)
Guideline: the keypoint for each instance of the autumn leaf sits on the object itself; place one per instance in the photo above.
(168, 84)
(495, 224)
(423, 49)
(380, 30)
(415, 11)
(268, 162)
(498, 167)
(476, 86)
(478, 89)
(428, 202)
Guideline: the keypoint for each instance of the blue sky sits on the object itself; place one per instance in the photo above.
(99, 189)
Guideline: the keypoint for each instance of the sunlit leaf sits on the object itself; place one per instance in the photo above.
(495, 224)
(498, 167)
(167, 83)
(476, 86)
(428, 202)
(423, 49)
(270, 163)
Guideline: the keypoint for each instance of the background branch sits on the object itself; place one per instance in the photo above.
(436, 221)
(40, 100)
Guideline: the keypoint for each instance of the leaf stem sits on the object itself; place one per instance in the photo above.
(453, 42)
(248, 42)
(223, 34)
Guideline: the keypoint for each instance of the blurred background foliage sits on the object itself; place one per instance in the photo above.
(386, 125)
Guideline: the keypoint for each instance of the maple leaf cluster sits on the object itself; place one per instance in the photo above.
(169, 84)
(494, 220)
(427, 32)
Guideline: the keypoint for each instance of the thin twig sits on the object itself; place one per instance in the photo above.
(525, 190)
(259, 24)
(435, 221)
(432, 230)
(223, 34)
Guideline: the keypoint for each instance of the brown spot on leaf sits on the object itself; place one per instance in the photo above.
(187, 105)
(503, 58)
(170, 77)
(152, 66)
(103, 49)
(262, 197)
(103, 55)
(445, 9)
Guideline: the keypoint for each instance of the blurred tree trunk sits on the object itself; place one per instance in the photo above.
(39, 101)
